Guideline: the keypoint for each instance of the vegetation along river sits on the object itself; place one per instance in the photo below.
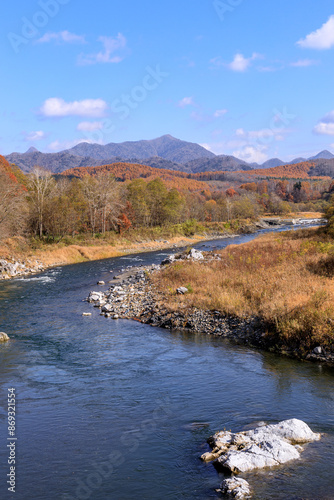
(120, 410)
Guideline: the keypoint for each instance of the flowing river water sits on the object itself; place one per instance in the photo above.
(117, 410)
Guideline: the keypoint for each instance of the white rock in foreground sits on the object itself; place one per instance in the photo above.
(195, 254)
(3, 337)
(236, 487)
(265, 446)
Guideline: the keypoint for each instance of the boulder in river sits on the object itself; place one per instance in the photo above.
(3, 337)
(95, 296)
(236, 487)
(265, 446)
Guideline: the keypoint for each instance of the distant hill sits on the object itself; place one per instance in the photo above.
(55, 162)
(218, 163)
(303, 170)
(128, 171)
(156, 162)
(165, 152)
(166, 147)
(32, 150)
(296, 160)
(323, 167)
(325, 155)
(273, 162)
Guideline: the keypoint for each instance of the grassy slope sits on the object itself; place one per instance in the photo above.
(284, 279)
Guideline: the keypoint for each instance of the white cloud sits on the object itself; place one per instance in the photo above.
(34, 136)
(57, 107)
(303, 63)
(90, 126)
(62, 36)
(219, 112)
(241, 63)
(107, 55)
(329, 118)
(324, 129)
(264, 135)
(186, 101)
(321, 39)
(252, 154)
(326, 125)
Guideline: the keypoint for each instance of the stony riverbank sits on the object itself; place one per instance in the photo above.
(22, 261)
(132, 295)
(17, 258)
(15, 268)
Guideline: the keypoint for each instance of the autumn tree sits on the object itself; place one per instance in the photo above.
(65, 210)
(104, 201)
(41, 187)
(137, 197)
(13, 207)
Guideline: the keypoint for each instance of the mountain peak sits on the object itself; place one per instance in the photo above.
(32, 150)
(323, 155)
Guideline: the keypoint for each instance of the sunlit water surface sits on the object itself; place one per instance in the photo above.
(119, 410)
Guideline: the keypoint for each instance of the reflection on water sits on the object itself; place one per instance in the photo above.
(93, 391)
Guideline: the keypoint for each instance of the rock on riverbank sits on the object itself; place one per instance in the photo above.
(17, 268)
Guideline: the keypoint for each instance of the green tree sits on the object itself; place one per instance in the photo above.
(137, 196)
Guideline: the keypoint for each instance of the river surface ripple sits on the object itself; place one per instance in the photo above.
(119, 410)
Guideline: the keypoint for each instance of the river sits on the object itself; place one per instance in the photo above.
(117, 410)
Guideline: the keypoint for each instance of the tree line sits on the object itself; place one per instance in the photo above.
(50, 207)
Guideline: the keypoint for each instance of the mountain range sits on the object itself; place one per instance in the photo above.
(165, 152)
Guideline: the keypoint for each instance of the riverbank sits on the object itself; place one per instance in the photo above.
(21, 263)
(20, 256)
(274, 293)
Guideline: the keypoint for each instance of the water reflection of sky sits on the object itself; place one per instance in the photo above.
(86, 385)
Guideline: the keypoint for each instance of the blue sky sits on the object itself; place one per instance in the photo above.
(243, 77)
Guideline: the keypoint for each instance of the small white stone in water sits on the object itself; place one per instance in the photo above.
(86, 314)
(237, 487)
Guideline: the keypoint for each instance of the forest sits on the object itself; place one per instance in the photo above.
(120, 197)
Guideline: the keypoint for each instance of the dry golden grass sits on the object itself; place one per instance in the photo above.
(287, 280)
(54, 254)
